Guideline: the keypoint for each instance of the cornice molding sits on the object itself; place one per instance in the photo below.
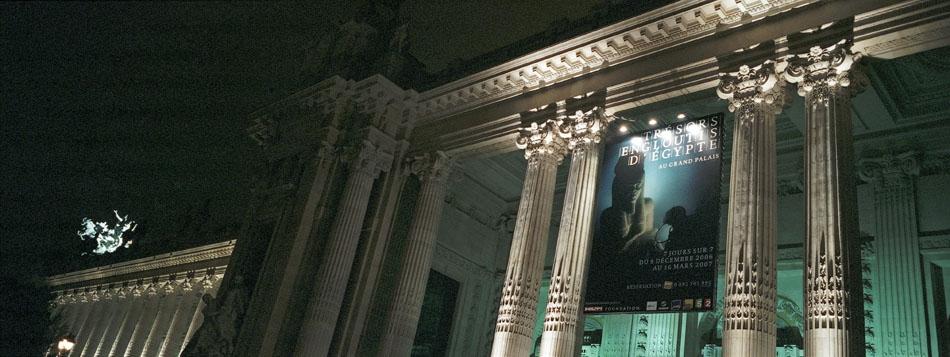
(180, 258)
(668, 26)
(388, 107)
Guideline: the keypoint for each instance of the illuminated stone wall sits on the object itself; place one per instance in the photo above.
(144, 307)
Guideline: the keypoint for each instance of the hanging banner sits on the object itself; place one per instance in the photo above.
(656, 228)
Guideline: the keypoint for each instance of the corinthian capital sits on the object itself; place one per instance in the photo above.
(368, 159)
(889, 167)
(542, 141)
(753, 86)
(435, 166)
(208, 282)
(825, 69)
(326, 152)
(584, 127)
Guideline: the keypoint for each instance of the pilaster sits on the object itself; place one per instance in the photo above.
(824, 77)
(563, 318)
(900, 306)
(544, 149)
(755, 96)
(366, 162)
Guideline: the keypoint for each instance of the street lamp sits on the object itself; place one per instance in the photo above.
(66, 344)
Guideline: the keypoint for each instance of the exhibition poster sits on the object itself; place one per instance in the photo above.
(656, 228)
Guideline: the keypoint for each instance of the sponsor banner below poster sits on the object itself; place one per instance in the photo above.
(656, 235)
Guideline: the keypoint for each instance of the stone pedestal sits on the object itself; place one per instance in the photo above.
(514, 328)
(900, 306)
(563, 317)
(330, 285)
(755, 95)
(824, 77)
(400, 328)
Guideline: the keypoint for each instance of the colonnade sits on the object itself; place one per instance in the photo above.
(137, 318)
(826, 78)
(434, 171)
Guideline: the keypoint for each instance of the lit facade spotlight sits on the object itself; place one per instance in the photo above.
(652, 121)
(681, 116)
(623, 129)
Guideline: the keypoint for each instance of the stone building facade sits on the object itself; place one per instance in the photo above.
(149, 307)
(391, 222)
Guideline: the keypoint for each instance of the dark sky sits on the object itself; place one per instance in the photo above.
(141, 108)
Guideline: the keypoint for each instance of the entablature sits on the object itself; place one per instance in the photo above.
(468, 125)
(196, 260)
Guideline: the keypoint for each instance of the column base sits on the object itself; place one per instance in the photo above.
(506, 344)
(742, 343)
(826, 342)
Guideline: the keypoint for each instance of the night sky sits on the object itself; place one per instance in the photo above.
(141, 108)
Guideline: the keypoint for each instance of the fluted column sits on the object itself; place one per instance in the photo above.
(330, 284)
(76, 311)
(84, 334)
(824, 77)
(143, 325)
(122, 305)
(563, 313)
(900, 306)
(167, 308)
(209, 286)
(400, 328)
(755, 95)
(137, 303)
(181, 318)
(105, 316)
(60, 309)
(514, 329)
